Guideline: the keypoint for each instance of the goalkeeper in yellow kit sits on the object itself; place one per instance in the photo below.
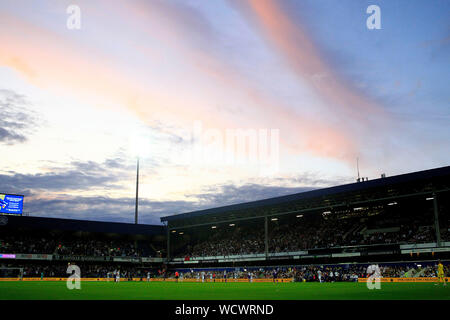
(440, 273)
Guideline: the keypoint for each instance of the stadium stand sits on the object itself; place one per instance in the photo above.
(393, 221)
(390, 219)
(47, 245)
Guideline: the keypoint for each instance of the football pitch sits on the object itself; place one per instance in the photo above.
(57, 290)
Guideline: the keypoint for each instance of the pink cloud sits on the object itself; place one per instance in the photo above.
(300, 53)
(51, 61)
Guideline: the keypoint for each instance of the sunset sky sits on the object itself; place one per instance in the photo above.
(77, 106)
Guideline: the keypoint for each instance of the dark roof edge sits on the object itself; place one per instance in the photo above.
(85, 225)
(317, 192)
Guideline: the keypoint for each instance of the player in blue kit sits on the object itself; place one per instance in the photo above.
(275, 276)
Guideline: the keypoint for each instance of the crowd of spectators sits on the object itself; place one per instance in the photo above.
(98, 248)
(408, 233)
(237, 243)
(303, 234)
(307, 234)
(20, 243)
(38, 244)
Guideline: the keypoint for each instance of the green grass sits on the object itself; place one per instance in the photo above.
(219, 291)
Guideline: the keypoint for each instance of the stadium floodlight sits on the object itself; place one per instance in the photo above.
(213, 227)
(274, 219)
(299, 216)
(140, 141)
(429, 198)
(392, 203)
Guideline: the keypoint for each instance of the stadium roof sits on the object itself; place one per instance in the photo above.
(421, 182)
(82, 225)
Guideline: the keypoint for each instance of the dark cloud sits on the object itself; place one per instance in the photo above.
(231, 194)
(78, 176)
(17, 120)
(315, 180)
(102, 208)
(9, 137)
(49, 194)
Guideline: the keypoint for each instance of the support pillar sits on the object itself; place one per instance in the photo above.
(168, 243)
(266, 236)
(436, 220)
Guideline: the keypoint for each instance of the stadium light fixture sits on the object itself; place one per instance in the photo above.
(429, 198)
(274, 219)
(140, 140)
(299, 216)
(213, 227)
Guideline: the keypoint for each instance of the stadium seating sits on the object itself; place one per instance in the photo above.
(310, 234)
